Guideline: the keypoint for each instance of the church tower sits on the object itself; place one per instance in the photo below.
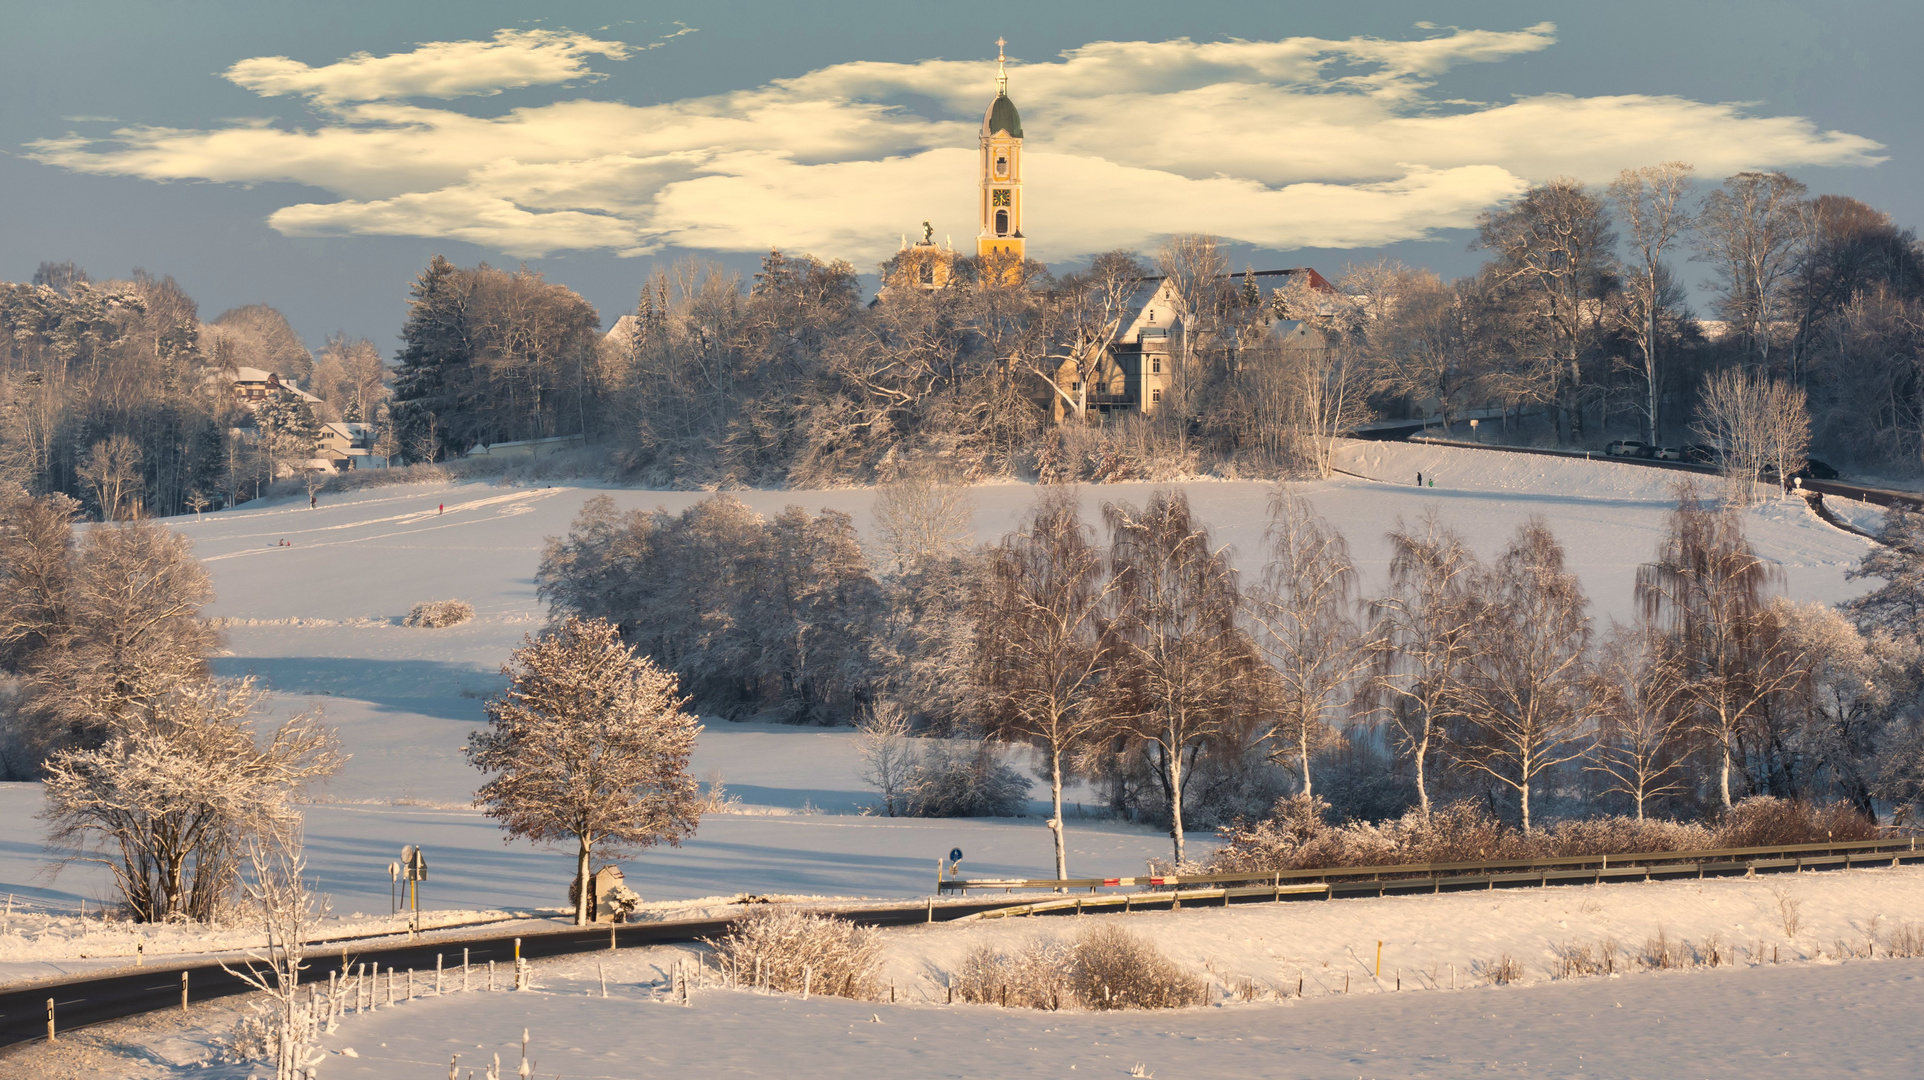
(1001, 199)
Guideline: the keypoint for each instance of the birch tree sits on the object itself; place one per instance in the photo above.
(1751, 231)
(1305, 612)
(1643, 748)
(1040, 654)
(1527, 700)
(588, 743)
(1649, 202)
(1707, 588)
(1425, 631)
(1183, 663)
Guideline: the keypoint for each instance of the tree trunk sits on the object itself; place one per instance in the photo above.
(1524, 791)
(1175, 801)
(1723, 775)
(1422, 777)
(581, 881)
(1055, 801)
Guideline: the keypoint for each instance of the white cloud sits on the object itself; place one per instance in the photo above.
(1294, 143)
(441, 69)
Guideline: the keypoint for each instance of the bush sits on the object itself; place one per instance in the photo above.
(1038, 977)
(965, 781)
(1116, 969)
(1297, 836)
(782, 943)
(438, 613)
(1106, 968)
(1761, 821)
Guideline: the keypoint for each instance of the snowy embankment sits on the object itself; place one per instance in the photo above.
(318, 621)
(1809, 1003)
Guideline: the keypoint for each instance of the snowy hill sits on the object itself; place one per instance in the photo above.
(318, 620)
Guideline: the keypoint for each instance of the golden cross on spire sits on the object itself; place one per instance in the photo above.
(1001, 72)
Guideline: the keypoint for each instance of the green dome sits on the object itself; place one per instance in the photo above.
(1002, 117)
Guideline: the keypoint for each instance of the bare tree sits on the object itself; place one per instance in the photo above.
(1194, 272)
(132, 629)
(171, 801)
(1527, 702)
(1183, 662)
(1649, 202)
(922, 515)
(112, 472)
(1751, 231)
(1305, 611)
(1553, 256)
(1425, 631)
(1039, 647)
(1758, 422)
(1429, 345)
(286, 912)
(888, 757)
(588, 743)
(1643, 749)
(1706, 588)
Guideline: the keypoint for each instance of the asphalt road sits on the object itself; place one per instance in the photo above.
(97, 999)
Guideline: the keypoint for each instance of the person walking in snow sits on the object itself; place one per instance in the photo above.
(1419, 479)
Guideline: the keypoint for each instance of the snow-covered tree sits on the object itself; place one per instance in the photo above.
(288, 430)
(1040, 653)
(130, 630)
(1425, 633)
(1527, 702)
(179, 791)
(1184, 666)
(1306, 612)
(589, 742)
(285, 912)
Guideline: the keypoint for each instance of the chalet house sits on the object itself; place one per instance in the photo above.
(1134, 374)
(349, 446)
(251, 386)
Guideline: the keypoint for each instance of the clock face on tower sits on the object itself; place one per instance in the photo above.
(999, 197)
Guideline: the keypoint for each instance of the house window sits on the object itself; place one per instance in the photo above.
(1002, 223)
(1156, 394)
(1155, 365)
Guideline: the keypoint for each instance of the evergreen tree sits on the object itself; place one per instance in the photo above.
(436, 348)
(288, 430)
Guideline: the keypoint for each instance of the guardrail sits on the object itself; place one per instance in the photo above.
(86, 1000)
(1417, 877)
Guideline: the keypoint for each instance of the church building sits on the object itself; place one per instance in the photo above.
(1134, 372)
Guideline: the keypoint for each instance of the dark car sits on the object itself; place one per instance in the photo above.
(1702, 455)
(1816, 470)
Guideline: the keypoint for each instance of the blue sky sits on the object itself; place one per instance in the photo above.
(247, 150)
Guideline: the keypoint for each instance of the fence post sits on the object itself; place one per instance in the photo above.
(50, 1035)
(183, 991)
(437, 974)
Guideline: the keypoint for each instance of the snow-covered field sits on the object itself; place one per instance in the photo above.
(318, 621)
(1814, 1003)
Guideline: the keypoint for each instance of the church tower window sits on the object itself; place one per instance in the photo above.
(1002, 223)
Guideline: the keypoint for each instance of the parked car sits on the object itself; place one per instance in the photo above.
(1813, 470)
(1668, 453)
(1702, 455)
(1627, 448)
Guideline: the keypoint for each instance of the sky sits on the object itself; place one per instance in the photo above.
(314, 157)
